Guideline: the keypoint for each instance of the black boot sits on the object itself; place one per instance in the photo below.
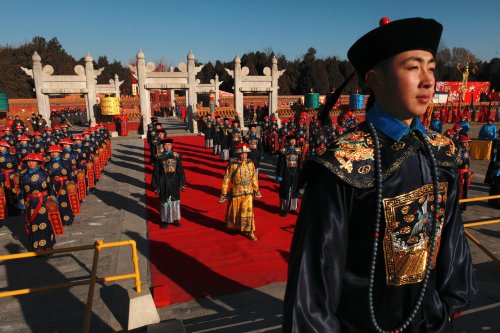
(164, 225)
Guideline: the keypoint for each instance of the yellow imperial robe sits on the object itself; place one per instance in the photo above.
(239, 184)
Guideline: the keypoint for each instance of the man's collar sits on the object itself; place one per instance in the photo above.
(390, 126)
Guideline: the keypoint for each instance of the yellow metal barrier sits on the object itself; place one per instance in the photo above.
(480, 223)
(97, 247)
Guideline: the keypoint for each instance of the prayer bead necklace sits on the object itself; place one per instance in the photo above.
(435, 215)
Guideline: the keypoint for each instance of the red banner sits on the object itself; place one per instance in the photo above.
(474, 90)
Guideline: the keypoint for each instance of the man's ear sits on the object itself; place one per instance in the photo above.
(372, 79)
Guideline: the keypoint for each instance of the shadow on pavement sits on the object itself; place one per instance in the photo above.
(251, 310)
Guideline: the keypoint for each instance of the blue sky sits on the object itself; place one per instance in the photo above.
(220, 29)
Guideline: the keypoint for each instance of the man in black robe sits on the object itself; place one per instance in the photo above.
(287, 173)
(379, 242)
(256, 153)
(170, 181)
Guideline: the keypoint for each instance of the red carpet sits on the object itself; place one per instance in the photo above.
(200, 258)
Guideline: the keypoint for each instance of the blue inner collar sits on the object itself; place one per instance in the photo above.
(390, 125)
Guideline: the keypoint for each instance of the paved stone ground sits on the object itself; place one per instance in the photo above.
(116, 211)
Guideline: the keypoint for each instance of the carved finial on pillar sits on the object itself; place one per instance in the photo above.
(36, 57)
(275, 60)
(216, 76)
(140, 54)
(88, 57)
(190, 55)
(116, 77)
(171, 68)
(237, 59)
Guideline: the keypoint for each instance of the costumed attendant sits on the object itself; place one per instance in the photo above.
(239, 185)
(379, 244)
(61, 173)
(35, 187)
(287, 174)
(8, 166)
(488, 131)
(465, 174)
(171, 180)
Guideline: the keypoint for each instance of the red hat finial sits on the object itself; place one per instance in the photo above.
(383, 21)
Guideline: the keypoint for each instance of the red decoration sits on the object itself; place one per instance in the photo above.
(384, 21)
(376, 235)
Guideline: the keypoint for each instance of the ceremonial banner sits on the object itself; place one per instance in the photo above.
(54, 216)
(82, 187)
(3, 204)
(73, 197)
(90, 174)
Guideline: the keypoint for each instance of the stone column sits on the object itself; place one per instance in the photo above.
(143, 93)
(217, 90)
(91, 96)
(273, 106)
(38, 78)
(238, 95)
(191, 95)
(172, 97)
(117, 86)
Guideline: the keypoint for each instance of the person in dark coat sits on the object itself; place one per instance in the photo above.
(379, 244)
(287, 174)
(256, 153)
(171, 180)
(217, 136)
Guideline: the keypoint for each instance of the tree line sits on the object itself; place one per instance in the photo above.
(308, 72)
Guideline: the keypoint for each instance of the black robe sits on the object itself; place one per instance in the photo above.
(331, 250)
(288, 169)
(169, 176)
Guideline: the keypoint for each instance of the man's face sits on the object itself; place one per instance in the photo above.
(3, 149)
(167, 146)
(405, 85)
(55, 154)
(32, 164)
(243, 156)
(292, 142)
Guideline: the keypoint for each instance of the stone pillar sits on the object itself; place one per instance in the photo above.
(91, 95)
(143, 93)
(238, 95)
(191, 95)
(117, 86)
(273, 106)
(172, 97)
(38, 78)
(217, 90)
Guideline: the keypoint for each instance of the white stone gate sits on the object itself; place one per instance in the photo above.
(244, 83)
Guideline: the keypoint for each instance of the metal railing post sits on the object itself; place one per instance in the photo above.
(90, 296)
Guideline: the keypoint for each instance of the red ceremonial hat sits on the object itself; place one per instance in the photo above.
(66, 141)
(37, 133)
(23, 138)
(4, 143)
(5, 128)
(48, 129)
(457, 127)
(465, 138)
(19, 126)
(34, 157)
(242, 147)
(55, 148)
(86, 132)
(57, 127)
(64, 126)
(78, 137)
(101, 123)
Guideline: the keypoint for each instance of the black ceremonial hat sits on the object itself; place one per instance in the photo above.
(167, 140)
(252, 125)
(392, 38)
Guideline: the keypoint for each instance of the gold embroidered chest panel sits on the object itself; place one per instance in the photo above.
(407, 237)
(170, 165)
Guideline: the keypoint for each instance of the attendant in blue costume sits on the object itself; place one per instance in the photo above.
(436, 124)
(35, 186)
(49, 138)
(61, 172)
(379, 244)
(171, 180)
(23, 147)
(287, 173)
(488, 131)
(89, 144)
(464, 172)
(68, 154)
(81, 152)
(8, 167)
(11, 139)
(64, 131)
(38, 143)
(57, 133)
(465, 125)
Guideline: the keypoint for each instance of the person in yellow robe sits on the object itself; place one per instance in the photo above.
(239, 185)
